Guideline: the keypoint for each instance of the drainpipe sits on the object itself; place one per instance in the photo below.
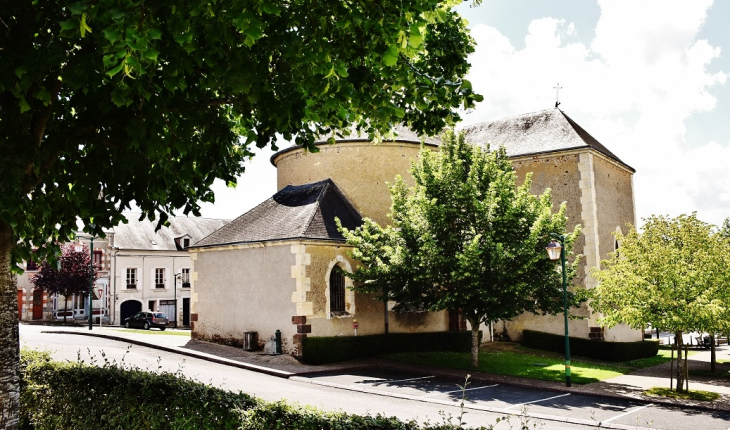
(114, 297)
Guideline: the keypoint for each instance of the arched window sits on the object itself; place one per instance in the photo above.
(337, 293)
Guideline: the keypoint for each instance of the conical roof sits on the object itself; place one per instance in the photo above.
(535, 133)
(296, 212)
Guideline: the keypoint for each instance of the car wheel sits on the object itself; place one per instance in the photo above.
(126, 324)
(146, 325)
(162, 328)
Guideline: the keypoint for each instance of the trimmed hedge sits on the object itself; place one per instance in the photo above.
(609, 351)
(80, 396)
(321, 350)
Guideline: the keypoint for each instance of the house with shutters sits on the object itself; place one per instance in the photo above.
(151, 269)
(273, 267)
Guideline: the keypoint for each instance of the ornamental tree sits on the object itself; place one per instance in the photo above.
(670, 275)
(465, 238)
(109, 102)
(72, 277)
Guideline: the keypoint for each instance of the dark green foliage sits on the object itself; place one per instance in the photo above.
(79, 396)
(320, 350)
(609, 351)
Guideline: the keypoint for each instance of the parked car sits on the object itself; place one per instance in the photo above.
(146, 320)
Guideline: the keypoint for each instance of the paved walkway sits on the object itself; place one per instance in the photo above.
(625, 386)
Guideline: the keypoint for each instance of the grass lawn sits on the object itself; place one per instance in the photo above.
(502, 358)
(156, 331)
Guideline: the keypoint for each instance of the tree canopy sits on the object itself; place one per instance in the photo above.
(106, 103)
(465, 238)
(671, 275)
(72, 277)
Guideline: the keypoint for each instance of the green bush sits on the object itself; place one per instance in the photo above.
(76, 395)
(321, 350)
(598, 349)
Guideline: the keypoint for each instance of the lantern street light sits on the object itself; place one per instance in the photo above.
(91, 273)
(556, 250)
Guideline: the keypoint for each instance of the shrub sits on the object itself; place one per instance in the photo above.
(321, 350)
(598, 349)
(76, 395)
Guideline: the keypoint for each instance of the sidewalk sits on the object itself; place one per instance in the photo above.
(629, 386)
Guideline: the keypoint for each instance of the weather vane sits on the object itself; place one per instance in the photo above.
(557, 94)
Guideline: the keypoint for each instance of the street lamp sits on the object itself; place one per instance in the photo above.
(91, 276)
(556, 250)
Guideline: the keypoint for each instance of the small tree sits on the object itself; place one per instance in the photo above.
(71, 278)
(668, 276)
(466, 238)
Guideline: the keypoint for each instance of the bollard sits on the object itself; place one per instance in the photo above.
(278, 341)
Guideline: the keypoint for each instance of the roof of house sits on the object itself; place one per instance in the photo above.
(141, 235)
(545, 131)
(401, 134)
(295, 212)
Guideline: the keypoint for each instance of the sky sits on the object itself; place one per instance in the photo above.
(648, 79)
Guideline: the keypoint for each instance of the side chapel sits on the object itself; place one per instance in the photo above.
(272, 268)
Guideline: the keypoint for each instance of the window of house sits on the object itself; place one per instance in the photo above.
(131, 278)
(97, 258)
(186, 243)
(337, 293)
(31, 265)
(185, 278)
(159, 278)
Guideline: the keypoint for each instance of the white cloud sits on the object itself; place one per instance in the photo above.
(633, 87)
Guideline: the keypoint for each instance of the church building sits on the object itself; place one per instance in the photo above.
(272, 268)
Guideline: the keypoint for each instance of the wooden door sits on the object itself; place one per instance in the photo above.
(20, 304)
(37, 304)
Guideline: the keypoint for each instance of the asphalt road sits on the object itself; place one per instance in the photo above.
(407, 396)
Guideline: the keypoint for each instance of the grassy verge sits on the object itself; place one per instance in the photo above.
(705, 396)
(514, 360)
(155, 331)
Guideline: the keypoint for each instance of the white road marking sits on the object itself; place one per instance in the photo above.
(458, 391)
(627, 413)
(536, 401)
(409, 379)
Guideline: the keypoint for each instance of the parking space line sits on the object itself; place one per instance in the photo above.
(408, 379)
(536, 401)
(626, 413)
(457, 391)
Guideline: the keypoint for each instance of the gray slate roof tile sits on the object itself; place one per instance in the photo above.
(141, 235)
(539, 132)
(296, 212)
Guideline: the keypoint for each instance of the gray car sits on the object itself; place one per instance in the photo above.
(146, 320)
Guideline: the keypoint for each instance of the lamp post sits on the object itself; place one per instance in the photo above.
(91, 277)
(556, 250)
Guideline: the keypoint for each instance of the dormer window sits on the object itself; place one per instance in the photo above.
(183, 242)
(186, 243)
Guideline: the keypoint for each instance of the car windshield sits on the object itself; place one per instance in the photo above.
(160, 315)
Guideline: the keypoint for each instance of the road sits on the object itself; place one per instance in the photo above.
(407, 396)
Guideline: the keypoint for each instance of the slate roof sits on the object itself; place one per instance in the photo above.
(404, 134)
(539, 132)
(296, 212)
(141, 235)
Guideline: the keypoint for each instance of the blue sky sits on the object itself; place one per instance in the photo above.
(648, 79)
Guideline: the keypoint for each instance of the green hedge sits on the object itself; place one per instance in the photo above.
(321, 350)
(81, 396)
(609, 351)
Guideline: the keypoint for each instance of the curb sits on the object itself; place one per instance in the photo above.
(199, 355)
(413, 368)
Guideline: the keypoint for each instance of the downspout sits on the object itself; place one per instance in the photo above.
(114, 275)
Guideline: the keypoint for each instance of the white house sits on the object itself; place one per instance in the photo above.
(152, 269)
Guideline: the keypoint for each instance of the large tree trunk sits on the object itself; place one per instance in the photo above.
(680, 362)
(9, 349)
(474, 342)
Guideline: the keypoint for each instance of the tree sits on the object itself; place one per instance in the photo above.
(725, 229)
(466, 238)
(668, 275)
(73, 277)
(108, 102)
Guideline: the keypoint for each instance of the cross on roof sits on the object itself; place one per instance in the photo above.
(557, 94)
